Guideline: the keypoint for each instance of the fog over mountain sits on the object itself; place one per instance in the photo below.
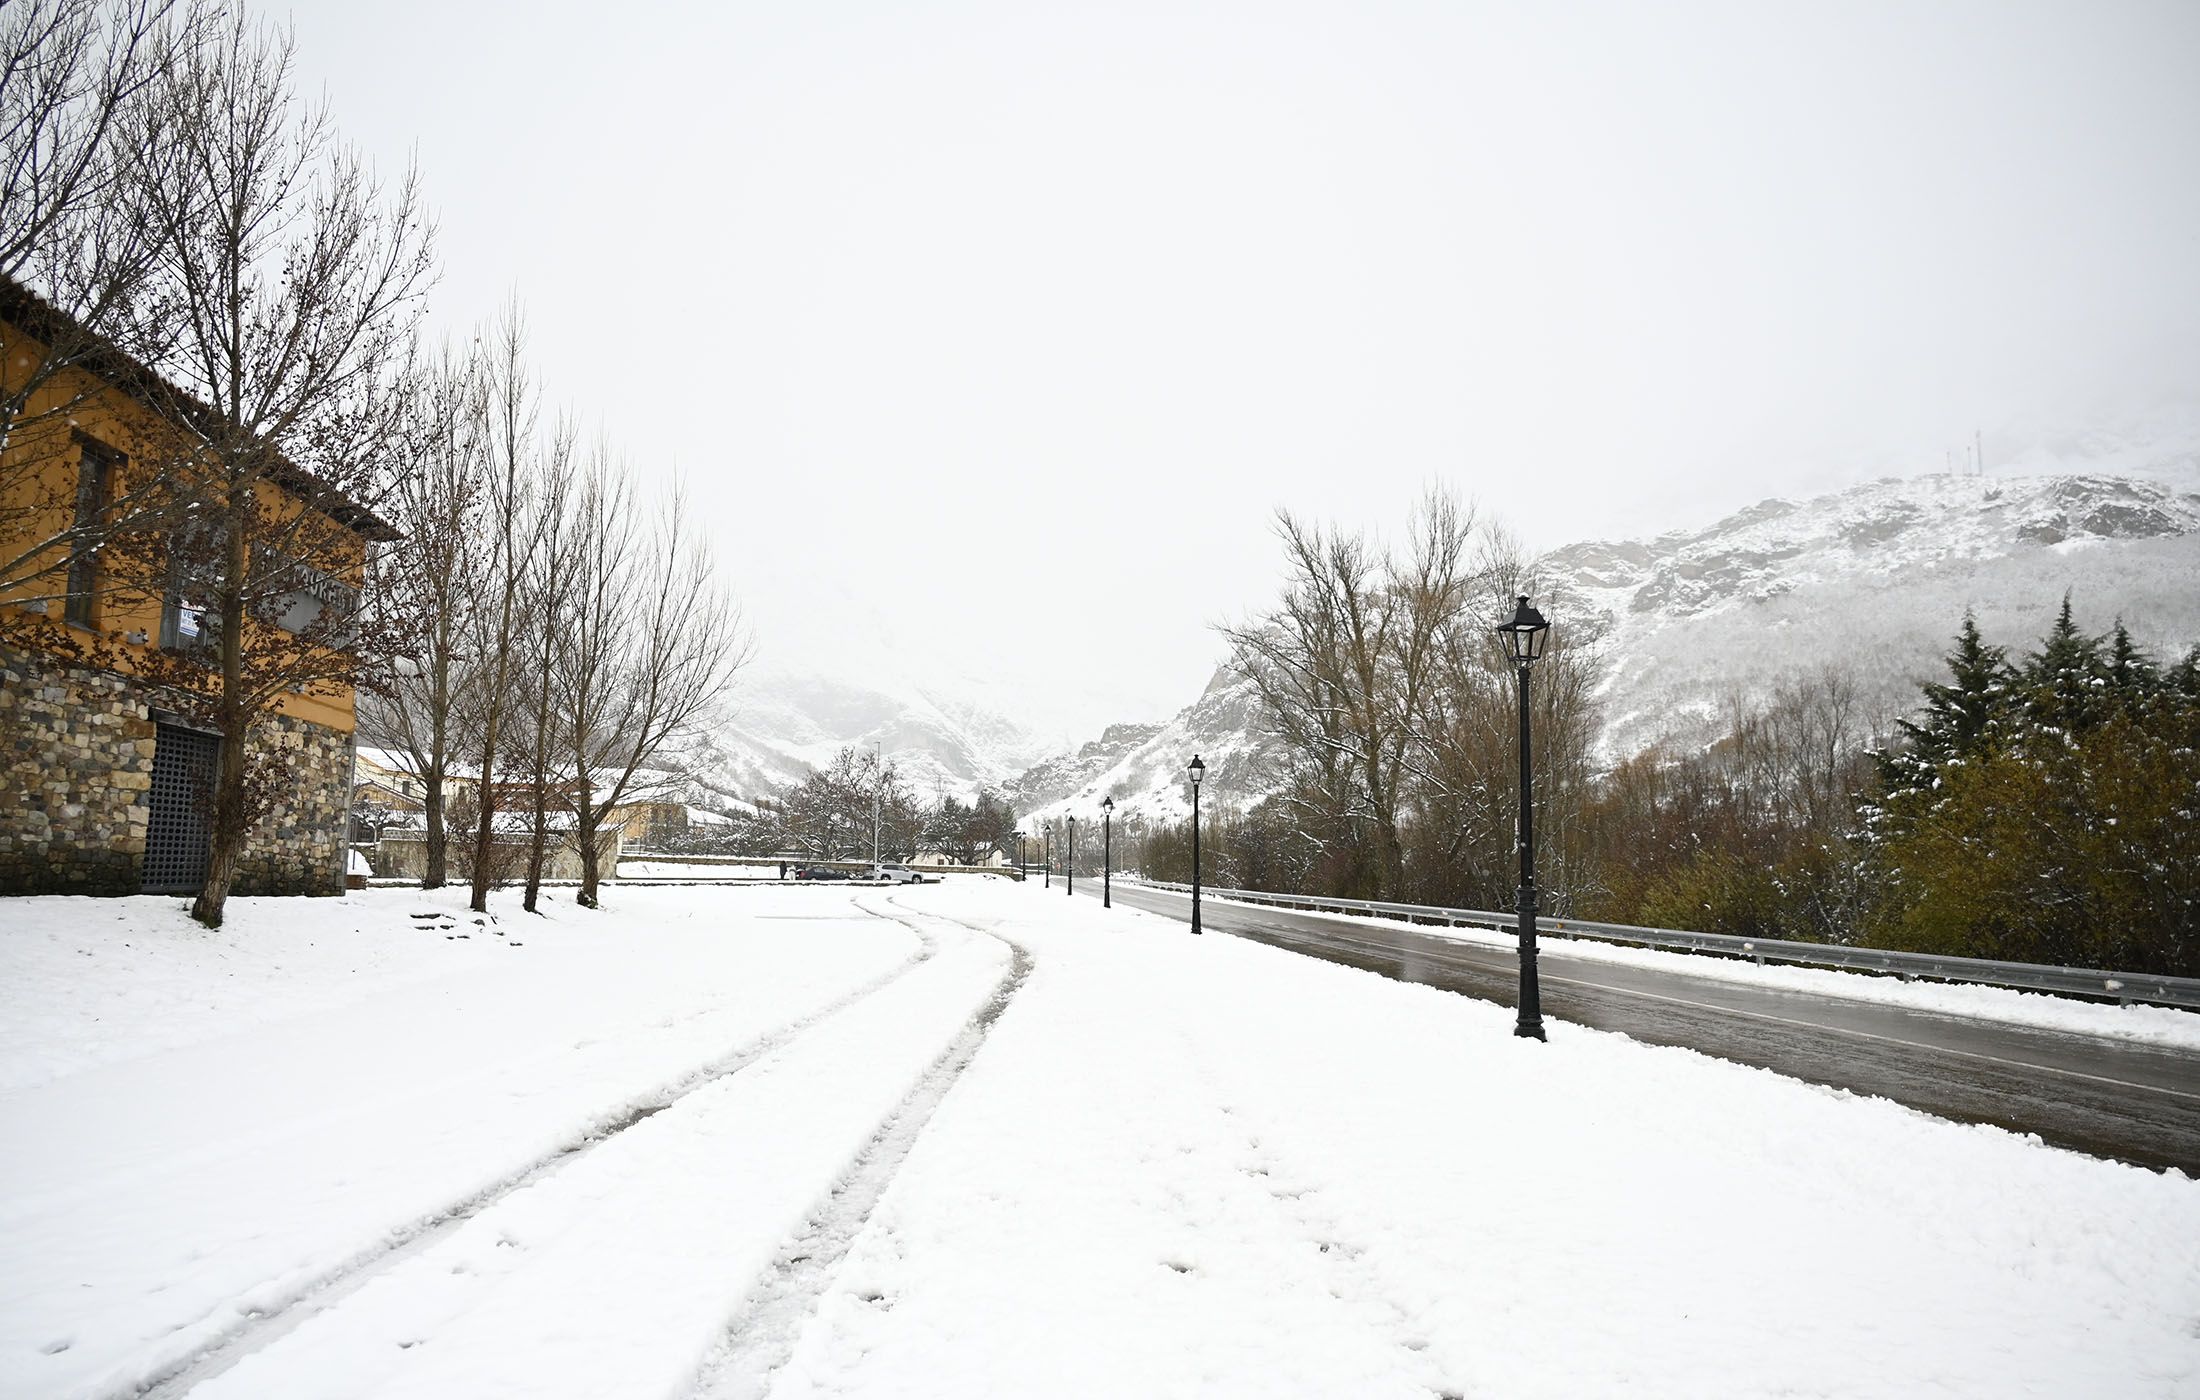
(787, 722)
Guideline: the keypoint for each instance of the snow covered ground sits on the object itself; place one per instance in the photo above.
(699, 870)
(967, 1140)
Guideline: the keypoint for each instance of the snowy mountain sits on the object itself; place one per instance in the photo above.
(1874, 579)
(838, 665)
(1142, 765)
(784, 723)
(1072, 772)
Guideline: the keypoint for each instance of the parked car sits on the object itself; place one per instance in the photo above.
(819, 872)
(896, 875)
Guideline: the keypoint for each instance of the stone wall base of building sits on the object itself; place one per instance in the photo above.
(76, 773)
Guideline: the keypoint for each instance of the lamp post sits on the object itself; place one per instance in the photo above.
(1197, 771)
(1069, 863)
(1046, 851)
(1525, 635)
(1107, 852)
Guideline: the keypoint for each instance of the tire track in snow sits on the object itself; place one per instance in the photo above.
(258, 1329)
(762, 1338)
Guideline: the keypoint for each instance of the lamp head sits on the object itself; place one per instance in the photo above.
(1525, 634)
(1198, 770)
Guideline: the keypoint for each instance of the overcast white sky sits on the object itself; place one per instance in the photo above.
(1008, 324)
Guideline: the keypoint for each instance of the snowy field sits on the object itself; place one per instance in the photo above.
(698, 870)
(967, 1140)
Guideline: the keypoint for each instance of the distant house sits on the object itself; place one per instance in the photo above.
(104, 781)
(516, 795)
(380, 779)
(402, 850)
(388, 796)
(992, 859)
(657, 826)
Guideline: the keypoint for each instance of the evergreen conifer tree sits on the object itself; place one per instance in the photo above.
(2132, 674)
(2184, 677)
(2066, 684)
(2063, 829)
(1960, 716)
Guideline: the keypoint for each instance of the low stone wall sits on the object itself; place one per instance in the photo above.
(76, 767)
(406, 857)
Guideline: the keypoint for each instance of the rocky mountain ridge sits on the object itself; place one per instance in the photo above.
(1143, 766)
(1873, 579)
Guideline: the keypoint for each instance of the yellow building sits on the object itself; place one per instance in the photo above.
(655, 825)
(105, 779)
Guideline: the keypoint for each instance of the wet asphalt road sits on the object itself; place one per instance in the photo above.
(2133, 1103)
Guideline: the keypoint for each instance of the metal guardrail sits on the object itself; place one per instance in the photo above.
(2032, 977)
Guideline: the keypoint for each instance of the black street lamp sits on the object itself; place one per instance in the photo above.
(1107, 852)
(1198, 770)
(1069, 865)
(1046, 851)
(1524, 637)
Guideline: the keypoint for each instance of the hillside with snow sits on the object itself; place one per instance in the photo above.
(785, 723)
(1874, 579)
(1142, 766)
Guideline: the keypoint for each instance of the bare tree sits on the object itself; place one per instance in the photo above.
(84, 105)
(70, 74)
(828, 814)
(430, 583)
(1294, 658)
(511, 422)
(550, 585)
(1345, 667)
(651, 642)
(297, 281)
(1465, 801)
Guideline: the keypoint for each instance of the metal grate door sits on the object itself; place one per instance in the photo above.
(183, 793)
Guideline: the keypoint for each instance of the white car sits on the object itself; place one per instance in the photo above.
(896, 875)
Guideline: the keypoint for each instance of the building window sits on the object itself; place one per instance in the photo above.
(188, 621)
(95, 476)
